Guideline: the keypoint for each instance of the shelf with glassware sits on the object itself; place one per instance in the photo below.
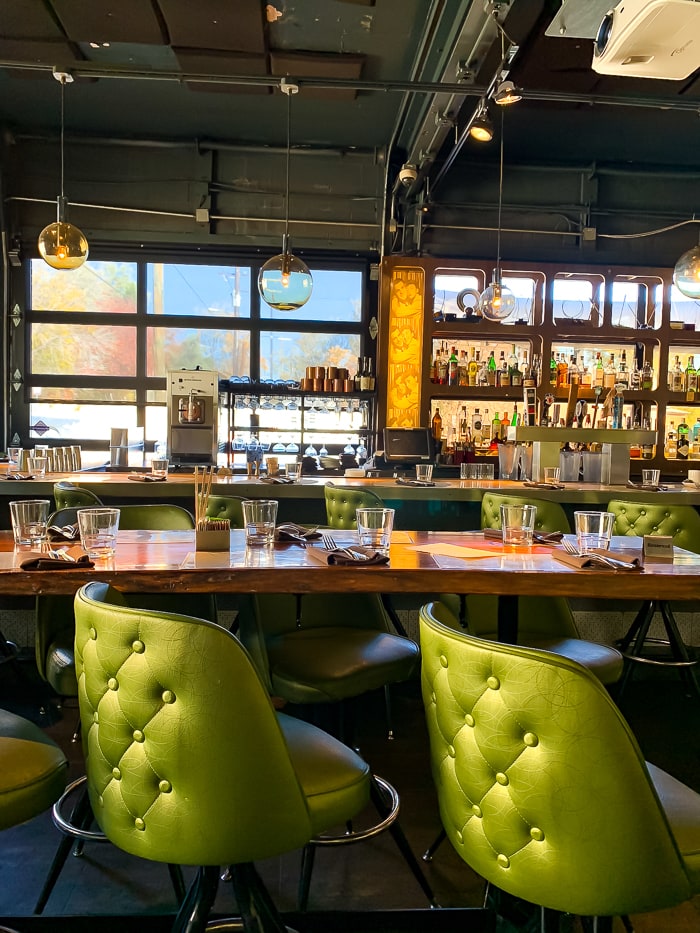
(262, 419)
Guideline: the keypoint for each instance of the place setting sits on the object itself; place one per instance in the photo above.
(374, 530)
(592, 547)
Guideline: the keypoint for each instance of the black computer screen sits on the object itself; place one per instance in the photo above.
(408, 444)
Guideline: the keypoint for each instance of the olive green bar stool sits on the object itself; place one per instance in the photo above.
(542, 788)
(682, 523)
(188, 762)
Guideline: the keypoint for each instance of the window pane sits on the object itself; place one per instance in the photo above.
(224, 351)
(72, 394)
(447, 287)
(91, 422)
(337, 296)
(684, 309)
(286, 356)
(220, 291)
(104, 287)
(576, 299)
(83, 350)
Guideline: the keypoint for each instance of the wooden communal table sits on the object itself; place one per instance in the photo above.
(153, 561)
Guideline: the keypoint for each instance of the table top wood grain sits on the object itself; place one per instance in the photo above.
(166, 561)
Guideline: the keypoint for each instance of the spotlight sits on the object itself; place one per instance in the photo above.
(481, 126)
(507, 93)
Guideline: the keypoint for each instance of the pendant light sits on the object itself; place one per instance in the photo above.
(686, 275)
(62, 245)
(284, 282)
(497, 302)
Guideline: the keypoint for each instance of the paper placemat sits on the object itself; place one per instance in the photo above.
(456, 550)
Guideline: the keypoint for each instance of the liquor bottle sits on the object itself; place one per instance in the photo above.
(635, 378)
(562, 373)
(516, 374)
(584, 373)
(683, 445)
(609, 373)
(647, 376)
(492, 369)
(371, 381)
(486, 427)
(477, 422)
(553, 371)
(358, 375)
(695, 431)
(464, 425)
(464, 368)
(442, 367)
(671, 442)
(618, 405)
(691, 379)
(598, 372)
(472, 369)
(453, 368)
(515, 420)
(574, 377)
(503, 373)
(482, 376)
(436, 425)
(495, 426)
(434, 366)
(623, 376)
(366, 374)
(677, 377)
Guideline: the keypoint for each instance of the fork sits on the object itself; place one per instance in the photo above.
(329, 544)
(571, 548)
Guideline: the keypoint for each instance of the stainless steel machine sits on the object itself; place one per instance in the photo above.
(193, 397)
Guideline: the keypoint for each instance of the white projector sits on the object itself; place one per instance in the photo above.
(649, 39)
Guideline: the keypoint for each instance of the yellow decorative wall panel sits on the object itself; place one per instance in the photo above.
(405, 346)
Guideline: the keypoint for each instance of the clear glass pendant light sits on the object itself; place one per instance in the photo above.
(284, 282)
(686, 275)
(497, 302)
(62, 245)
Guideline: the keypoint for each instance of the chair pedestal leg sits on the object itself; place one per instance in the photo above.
(427, 856)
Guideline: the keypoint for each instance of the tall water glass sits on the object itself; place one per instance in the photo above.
(593, 530)
(98, 531)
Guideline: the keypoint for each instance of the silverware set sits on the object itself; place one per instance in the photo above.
(329, 544)
(611, 562)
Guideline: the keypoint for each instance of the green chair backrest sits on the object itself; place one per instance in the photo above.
(67, 496)
(343, 501)
(161, 516)
(184, 756)
(681, 522)
(541, 785)
(550, 515)
(226, 507)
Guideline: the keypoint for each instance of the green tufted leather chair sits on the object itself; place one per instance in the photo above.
(343, 501)
(33, 770)
(187, 761)
(55, 624)
(226, 507)
(541, 786)
(68, 496)
(682, 523)
(544, 622)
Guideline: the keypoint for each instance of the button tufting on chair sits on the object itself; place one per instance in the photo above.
(584, 825)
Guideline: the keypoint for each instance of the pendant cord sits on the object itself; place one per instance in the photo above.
(289, 146)
(500, 207)
(63, 105)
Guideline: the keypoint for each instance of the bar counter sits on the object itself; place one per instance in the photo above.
(449, 505)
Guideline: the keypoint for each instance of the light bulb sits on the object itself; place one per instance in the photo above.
(496, 302)
(686, 275)
(63, 245)
(285, 283)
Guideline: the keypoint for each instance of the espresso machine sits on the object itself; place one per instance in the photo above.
(193, 396)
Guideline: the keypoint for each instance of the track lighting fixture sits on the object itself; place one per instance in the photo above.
(481, 127)
(507, 93)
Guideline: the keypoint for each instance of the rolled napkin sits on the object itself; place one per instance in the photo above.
(647, 487)
(342, 557)
(290, 531)
(536, 485)
(63, 532)
(599, 561)
(75, 557)
(18, 476)
(400, 481)
(146, 478)
(541, 537)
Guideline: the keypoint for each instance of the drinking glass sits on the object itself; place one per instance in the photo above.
(29, 522)
(551, 474)
(37, 467)
(159, 467)
(507, 461)
(468, 470)
(424, 472)
(98, 531)
(593, 530)
(518, 523)
(259, 517)
(374, 527)
(485, 471)
(294, 471)
(651, 477)
(14, 459)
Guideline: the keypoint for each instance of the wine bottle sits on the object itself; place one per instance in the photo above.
(683, 444)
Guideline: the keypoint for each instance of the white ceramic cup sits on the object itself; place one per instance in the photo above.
(259, 518)
(518, 524)
(98, 531)
(29, 522)
(374, 527)
(593, 530)
(424, 472)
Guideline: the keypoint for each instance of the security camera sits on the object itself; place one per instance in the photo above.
(408, 174)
